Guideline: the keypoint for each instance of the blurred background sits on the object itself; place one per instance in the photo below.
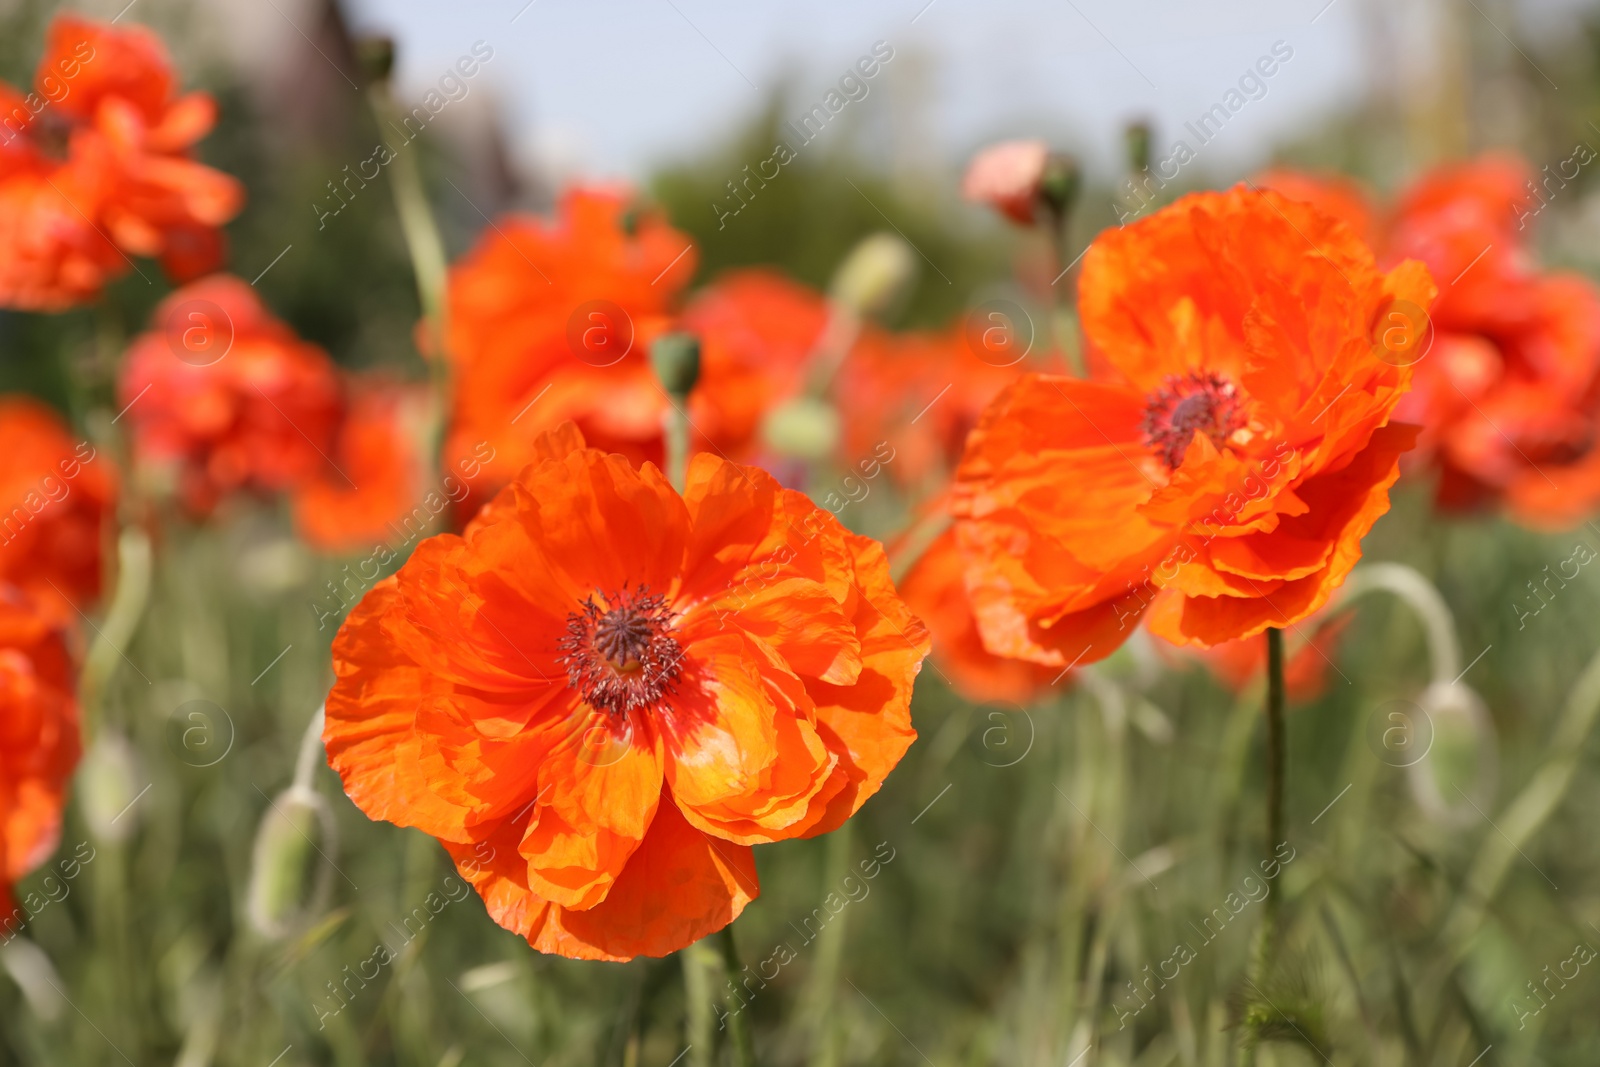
(1043, 859)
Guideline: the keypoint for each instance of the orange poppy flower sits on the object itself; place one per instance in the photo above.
(757, 332)
(39, 744)
(57, 495)
(551, 320)
(95, 167)
(1227, 478)
(935, 590)
(1331, 194)
(373, 477)
(1510, 388)
(603, 693)
(224, 394)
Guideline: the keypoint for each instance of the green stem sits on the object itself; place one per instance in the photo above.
(817, 1016)
(699, 964)
(1276, 757)
(127, 605)
(428, 264)
(739, 1033)
(1062, 319)
(1266, 935)
(676, 426)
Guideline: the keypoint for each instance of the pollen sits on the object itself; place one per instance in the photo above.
(619, 650)
(1189, 404)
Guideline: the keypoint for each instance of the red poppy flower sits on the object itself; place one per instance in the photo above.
(39, 743)
(1234, 467)
(227, 395)
(603, 693)
(551, 320)
(57, 495)
(95, 167)
(935, 589)
(373, 479)
(1510, 389)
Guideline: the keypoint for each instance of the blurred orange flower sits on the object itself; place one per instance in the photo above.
(1224, 483)
(923, 392)
(934, 588)
(603, 693)
(374, 475)
(1509, 392)
(757, 331)
(39, 744)
(57, 496)
(1331, 194)
(95, 167)
(225, 395)
(551, 320)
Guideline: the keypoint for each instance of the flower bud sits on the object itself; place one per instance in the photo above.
(675, 357)
(288, 886)
(33, 972)
(875, 275)
(803, 428)
(1059, 186)
(1137, 138)
(109, 786)
(375, 56)
(1007, 177)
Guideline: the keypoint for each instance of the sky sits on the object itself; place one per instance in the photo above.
(615, 87)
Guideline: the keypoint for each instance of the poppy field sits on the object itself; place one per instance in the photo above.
(1075, 604)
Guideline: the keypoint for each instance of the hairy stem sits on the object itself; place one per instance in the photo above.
(1266, 935)
(739, 1033)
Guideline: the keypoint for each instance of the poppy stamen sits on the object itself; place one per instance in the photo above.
(620, 654)
(1190, 404)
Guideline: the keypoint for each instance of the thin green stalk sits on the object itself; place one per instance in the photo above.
(428, 263)
(699, 964)
(677, 442)
(739, 1032)
(1266, 935)
(111, 638)
(817, 1016)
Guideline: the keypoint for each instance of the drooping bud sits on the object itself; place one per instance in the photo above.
(110, 785)
(875, 275)
(803, 428)
(289, 883)
(675, 357)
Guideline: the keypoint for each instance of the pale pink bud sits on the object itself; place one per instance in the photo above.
(1007, 177)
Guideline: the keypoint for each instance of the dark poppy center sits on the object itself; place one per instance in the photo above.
(619, 651)
(1186, 405)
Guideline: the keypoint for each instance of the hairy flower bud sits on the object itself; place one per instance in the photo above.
(875, 275)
